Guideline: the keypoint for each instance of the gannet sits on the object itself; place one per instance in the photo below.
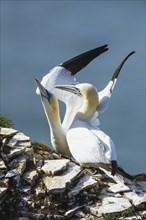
(57, 75)
(51, 108)
(87, 143)
(64, 74)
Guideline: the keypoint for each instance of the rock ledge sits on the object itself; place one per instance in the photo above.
(36, 183)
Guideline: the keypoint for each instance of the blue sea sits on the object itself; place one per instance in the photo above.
(38, 35)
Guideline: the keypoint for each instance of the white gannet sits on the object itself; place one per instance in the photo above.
(87, 143)
(51, 108)
(64, 74)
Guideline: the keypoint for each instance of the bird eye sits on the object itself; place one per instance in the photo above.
(48, 95)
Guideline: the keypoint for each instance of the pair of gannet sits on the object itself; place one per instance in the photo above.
(63, 74)
(79, 134)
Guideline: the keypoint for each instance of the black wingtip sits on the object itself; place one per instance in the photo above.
(77, 63)
(116, 73)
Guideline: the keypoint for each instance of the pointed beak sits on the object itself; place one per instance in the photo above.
(43, 92)
(116, 73)
(70, 88)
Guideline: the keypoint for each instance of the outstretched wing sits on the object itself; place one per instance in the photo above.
(64, 73)
(77, 63)
(106, 93)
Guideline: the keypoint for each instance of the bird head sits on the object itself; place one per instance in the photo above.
(86, 91)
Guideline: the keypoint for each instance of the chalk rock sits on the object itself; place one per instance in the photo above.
(2, 165)
(133, 217)
(3, 190)
(51, 167)
(25, 189)
(111, 205)
(31, 177)
(16, 152)
(2, 175)
(40, 192)
(17, 168)
(84, 183)
(21, 164)
(70, 192)
(117, 177)
(12, 173)
(26, 144)
(143, 214)
(136, 198)
(142, 185)
(58, 184)
(7, 132)
(116, 188)
(30, 154)
(23, 218)
(13, 142)
(70, 213)
(18, 163)
(21, 137)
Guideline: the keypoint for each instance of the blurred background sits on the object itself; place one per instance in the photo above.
(38, 35)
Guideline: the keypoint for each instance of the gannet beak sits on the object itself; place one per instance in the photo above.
(43, 92)
(70, 88)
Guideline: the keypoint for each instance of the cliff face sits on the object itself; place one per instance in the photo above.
(36, 183)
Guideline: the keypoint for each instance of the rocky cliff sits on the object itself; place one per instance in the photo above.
(36, 183)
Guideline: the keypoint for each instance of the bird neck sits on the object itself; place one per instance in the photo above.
(52, 113)
(88, 109)
(70, 113)
(57, 133)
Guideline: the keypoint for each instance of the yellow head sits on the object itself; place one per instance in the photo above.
(90, 98)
